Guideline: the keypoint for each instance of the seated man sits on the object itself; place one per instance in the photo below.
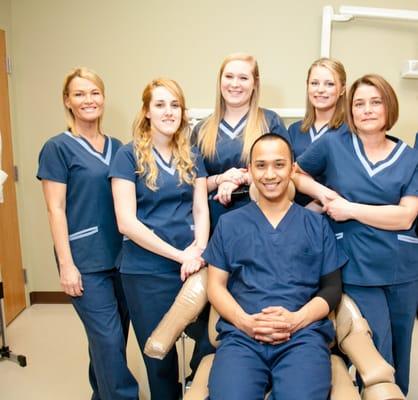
(273, 277)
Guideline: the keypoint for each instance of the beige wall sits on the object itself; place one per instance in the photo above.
(131, 41)
(5, 14)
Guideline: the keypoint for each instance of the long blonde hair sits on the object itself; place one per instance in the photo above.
(85, 73)
(256, 122)
(142, 138)
(338, 71)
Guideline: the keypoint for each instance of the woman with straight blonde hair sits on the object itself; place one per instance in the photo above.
(325, 108)
(159, 189)
(73, 167)
(226, 136)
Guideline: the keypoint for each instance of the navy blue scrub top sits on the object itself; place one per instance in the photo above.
(270, 266)
(228, 154)
(301, 141)
(376, 256)
(167, 211)
(94, 238)
(229, 142)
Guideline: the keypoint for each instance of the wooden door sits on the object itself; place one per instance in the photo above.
(10, 256)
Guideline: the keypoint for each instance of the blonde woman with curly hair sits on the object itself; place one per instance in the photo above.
(74, 168)
(226, 136)
(160, 195)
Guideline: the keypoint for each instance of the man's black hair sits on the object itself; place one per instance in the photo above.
(271, 136)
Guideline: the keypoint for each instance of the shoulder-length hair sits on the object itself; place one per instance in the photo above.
(338, 71)
(389, 99)
(142, 138)
(85, 73)
(256, 123)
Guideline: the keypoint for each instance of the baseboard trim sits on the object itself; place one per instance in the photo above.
(48, 298)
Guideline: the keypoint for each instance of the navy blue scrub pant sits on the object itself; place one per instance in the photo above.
(149, 297)
(103, 311)
(299, 369)
(390, 312)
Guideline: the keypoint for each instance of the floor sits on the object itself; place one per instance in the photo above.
(52, 339)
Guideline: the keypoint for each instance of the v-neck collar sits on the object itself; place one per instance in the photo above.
(282, 225)
(233, 132)
(315, 135)
(107, 149)
(168, 167)
(374, 168)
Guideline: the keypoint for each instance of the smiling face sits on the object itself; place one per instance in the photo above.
(324, 88)
(237, 83)
(368, 110)
(85, 100)
(271, 168)
(164, 112)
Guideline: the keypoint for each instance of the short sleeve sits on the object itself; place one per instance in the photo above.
(215, 252)
(333, 256)
(199, 163)
(314, 159)
(52, 163)
(124, 165)
(116, 143)
(195, 133)
(412, 188)
(276, 125)
(292, 131)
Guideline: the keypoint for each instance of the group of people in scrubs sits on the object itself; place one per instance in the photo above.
(130, 223)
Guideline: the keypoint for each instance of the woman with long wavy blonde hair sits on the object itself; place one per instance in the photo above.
(160, 195)
(226, 136)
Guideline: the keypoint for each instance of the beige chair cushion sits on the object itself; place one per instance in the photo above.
(342, 387)
(199, 388)
(355, 340)
(383, 391)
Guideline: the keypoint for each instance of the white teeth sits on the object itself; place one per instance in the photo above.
(270, 185)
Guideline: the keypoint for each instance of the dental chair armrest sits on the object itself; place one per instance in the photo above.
(354, 339)
(188, 304)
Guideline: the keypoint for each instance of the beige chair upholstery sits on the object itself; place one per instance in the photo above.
(342, 387)
(187, 306)
(353, 338)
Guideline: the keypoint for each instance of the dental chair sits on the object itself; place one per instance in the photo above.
(353, 338)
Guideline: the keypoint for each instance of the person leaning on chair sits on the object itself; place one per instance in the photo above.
(273, 291)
